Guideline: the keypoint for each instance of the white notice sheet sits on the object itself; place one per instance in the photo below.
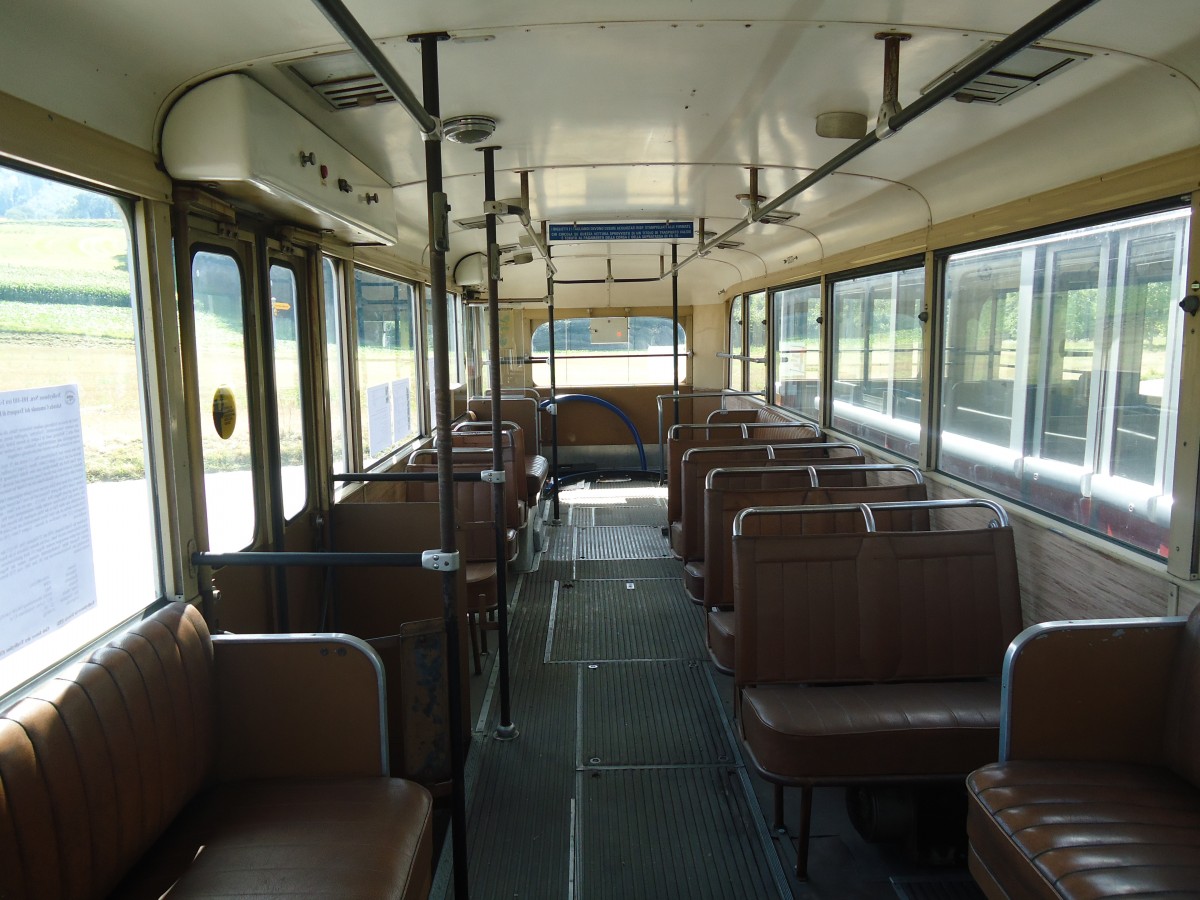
(46, 572)
(379, 418)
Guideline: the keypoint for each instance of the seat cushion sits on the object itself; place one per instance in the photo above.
(1085, 829)
(344, 838)
(720, 638)
(693, 580)
(841, 733)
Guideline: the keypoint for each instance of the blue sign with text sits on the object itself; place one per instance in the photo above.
(623, 231)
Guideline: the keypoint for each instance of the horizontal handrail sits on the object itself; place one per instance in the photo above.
(918, 478)
(812, 509)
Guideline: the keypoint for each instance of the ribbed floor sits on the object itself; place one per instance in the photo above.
(625, 781)
(634, 619)
(629, 542)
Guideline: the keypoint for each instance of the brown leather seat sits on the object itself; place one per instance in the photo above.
(1086, 829)
(1097, 791)
(172, 761)
(866, 657)
(681, 438)
(687, 534)
(722, 507)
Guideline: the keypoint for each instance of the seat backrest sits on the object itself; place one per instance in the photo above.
(939, 604)
(878, 607)
(475, 451)
(698, 462)
(1182, 738)
(797, 609)
(473, 506)
(97, 762)
(681, 438)
(722, 504)
(516, 435)
(523, 411)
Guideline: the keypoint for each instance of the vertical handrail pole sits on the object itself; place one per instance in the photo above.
(553, 398)
(505, 730)
(675, 328)
(437, 212)
(271, 452)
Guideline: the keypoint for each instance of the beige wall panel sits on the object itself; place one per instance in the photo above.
(33, 135)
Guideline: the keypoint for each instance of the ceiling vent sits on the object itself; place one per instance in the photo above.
(723, 245)
(1023, 70)
(779, 217)
(341, 80)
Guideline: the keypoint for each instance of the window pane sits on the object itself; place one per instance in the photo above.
(334, 362)
(877, 346)
(286, 344)
(78, 545)
(737, 346)
(609, 350)
(217, 287)
(1062, 373)
(452, 338)
(798, 349)
(387, 382)
(756, 334)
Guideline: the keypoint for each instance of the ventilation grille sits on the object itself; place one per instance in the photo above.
(1017, 74)
(723, 245)
(777, 218)
(340, 80)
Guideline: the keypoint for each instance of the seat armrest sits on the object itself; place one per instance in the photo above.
(298, 705)
(1088, 690)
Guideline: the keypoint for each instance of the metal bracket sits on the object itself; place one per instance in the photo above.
(551, 408)
(494, 262)
(439, 560)
(436, 134)
(500, 208)
(441, 222)
(492, 476)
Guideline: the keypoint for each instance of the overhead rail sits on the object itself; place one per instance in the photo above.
(1034, 30)
(347, 26)
(677, 396)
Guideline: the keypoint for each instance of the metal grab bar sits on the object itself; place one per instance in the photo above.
(863, 508)
(813, 471)
(1001, 520)
(356, 477)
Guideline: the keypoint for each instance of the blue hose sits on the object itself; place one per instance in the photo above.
(588, 398)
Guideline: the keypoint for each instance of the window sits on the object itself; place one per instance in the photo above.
(217, 291)
(289, 408)
(877, 341)
(756, 340)
(452, 332)
(335, 363)
(798, 349)
(1061, 376)
(609, 350)
(387, 362)
(78, 540)
(737, 346)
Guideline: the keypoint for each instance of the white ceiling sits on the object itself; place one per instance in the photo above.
(651, 110)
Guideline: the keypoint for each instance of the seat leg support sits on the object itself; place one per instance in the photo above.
(805, 829)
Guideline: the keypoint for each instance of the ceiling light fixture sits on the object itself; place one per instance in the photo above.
(468, 129)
